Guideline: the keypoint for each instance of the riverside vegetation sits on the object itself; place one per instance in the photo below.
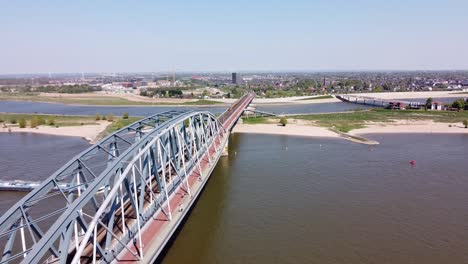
(345, 122)
(35, 120)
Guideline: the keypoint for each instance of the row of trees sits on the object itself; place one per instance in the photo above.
(109, 117)
(151, 92)
(71, 89)
(36, 121)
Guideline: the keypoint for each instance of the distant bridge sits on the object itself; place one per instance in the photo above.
(122, 199)
(252, 113)
(371, 101)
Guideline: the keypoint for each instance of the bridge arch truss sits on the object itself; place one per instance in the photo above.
(97, 204)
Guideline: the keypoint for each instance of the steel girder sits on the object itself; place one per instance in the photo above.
(25, 223)
(102, 215)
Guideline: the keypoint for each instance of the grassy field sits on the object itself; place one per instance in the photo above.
(255, 120)
(88, 100)
(62, 121)
(317, 98)
(203, 102)
(59, 120)
(66, 120)
(118, 124)
(345, 122)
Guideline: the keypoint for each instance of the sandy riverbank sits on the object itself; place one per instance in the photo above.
(87, 132)
(289, 130)
(303, 130)
(295, 128)
(308, 129)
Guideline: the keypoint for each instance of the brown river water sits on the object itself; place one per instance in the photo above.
(279, 199)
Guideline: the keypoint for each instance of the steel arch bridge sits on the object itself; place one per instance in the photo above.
(123, 198)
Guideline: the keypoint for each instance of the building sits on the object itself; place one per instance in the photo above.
(437, 106)
(235, 78)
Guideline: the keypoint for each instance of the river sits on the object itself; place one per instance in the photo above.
(280, 199)
(63, 109)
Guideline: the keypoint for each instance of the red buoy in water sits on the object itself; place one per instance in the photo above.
(412, 162)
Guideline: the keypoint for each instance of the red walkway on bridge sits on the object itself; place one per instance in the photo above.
(158, 231)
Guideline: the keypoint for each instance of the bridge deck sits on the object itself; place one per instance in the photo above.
(156, 233)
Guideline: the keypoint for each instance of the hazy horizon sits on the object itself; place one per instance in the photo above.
(226, 72)
(245, 36)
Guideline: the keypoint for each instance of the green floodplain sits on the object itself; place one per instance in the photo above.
(34, 120)
(342, 122)
(347, 121)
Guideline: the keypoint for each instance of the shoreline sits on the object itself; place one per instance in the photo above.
(89, 133)
(356, 135)
(301, 128)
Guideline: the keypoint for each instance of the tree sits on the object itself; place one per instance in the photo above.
(40, 120)
(465, 123)
(428, 103)
(378, 89)
(143, 93)
(125, 116)
(98, 117)
(110, 117)
(283, 121)
(459, 104)
(51, 121)
(22, 123)
(34, 122)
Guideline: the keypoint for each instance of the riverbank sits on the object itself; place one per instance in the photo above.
(355, 133)
(347, 125)
(90, 133)
(303, 130)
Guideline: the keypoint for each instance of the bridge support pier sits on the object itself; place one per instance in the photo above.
(225, 152)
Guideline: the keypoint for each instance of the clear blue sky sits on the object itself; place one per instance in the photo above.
(215, 35)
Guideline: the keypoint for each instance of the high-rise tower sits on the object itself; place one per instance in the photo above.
(235, 78)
